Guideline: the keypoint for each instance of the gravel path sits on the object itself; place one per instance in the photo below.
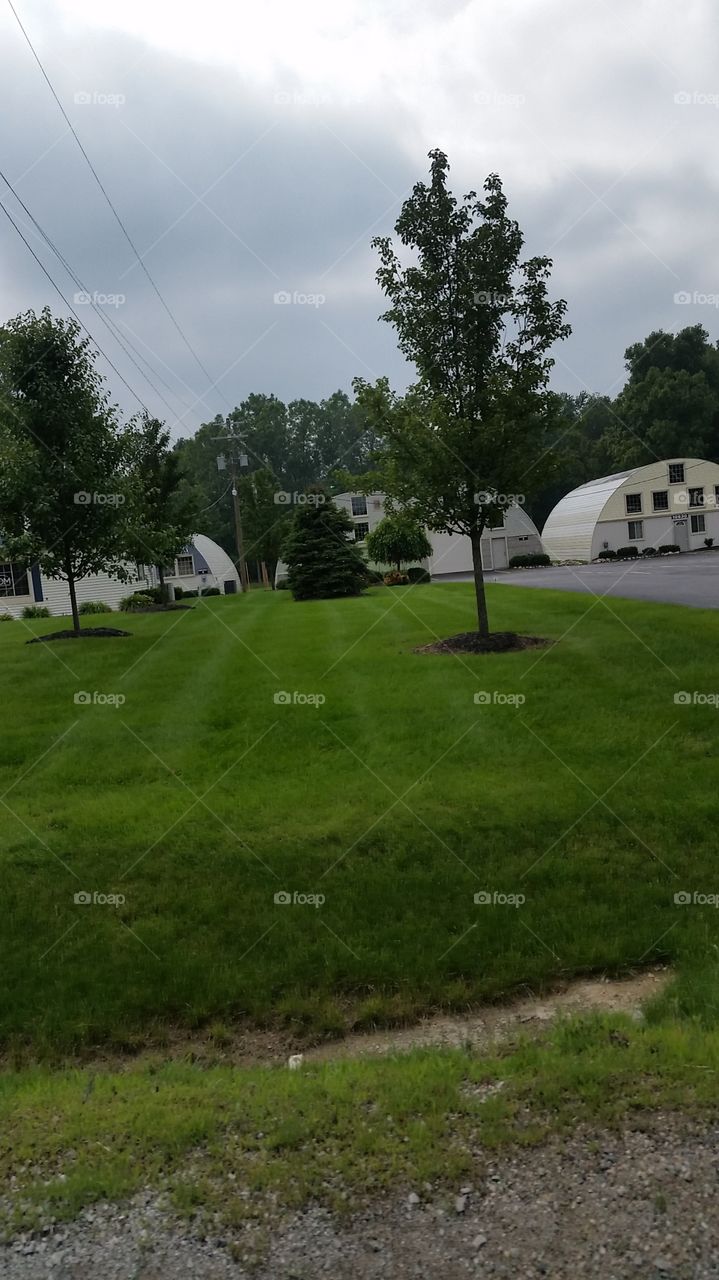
(640, 1205)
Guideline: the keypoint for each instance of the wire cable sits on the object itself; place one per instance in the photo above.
(104, 191)
(126, 344)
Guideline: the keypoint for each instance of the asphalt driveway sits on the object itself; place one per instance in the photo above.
(690, 579)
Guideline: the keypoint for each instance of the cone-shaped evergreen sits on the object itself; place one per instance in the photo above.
(321, 560)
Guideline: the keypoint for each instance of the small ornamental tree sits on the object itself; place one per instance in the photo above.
(477, 322)
(65, 471)
(322, 561)
(398, 539)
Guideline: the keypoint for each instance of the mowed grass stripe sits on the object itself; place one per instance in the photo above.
(500, 797)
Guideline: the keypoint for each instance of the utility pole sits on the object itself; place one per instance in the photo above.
(244, 576)
(239, 543)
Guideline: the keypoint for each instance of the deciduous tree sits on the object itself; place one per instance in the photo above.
(65, 461)
(478, 324)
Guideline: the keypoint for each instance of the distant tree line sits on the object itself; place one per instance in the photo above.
(668, 406)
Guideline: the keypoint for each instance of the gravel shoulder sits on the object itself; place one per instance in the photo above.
(636, 1201)
(636, 1204)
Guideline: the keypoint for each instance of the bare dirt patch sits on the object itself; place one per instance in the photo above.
(493, 1024)
(483, 1028)
(473, 642)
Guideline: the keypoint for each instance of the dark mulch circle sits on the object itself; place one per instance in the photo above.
(473, 642)
(87, 633)
(161, 608)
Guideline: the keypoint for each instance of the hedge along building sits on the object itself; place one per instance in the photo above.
(671, 502)
(201, 564)
(452, 552)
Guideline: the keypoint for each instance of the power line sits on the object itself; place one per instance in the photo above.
(70, 308)
(98, 180)
(125, 343)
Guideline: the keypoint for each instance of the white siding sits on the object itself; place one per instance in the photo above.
(452, 553)
(101, 586)
(56, 597)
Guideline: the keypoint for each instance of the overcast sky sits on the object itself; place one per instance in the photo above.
(255, 150)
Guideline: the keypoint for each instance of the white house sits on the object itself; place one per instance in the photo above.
(202, 564)
(674, 501)
(452, 552)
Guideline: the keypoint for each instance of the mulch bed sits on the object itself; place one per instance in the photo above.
(161, 608)
(90, 633)
(473, 642)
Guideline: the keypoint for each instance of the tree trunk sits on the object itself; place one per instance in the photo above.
(482, 619)
(70, 575)
(161, 576)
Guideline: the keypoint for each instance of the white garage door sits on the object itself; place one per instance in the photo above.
(499, 553)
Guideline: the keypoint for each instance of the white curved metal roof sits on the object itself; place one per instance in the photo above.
(569, 530)
(570, 527)
(215, 557)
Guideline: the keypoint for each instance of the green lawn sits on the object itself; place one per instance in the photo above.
(397, 799)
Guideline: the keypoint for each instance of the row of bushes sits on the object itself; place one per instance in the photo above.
(129, 604)
(30, 611)
(152, 595)
(529, 560)
(630, 553)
